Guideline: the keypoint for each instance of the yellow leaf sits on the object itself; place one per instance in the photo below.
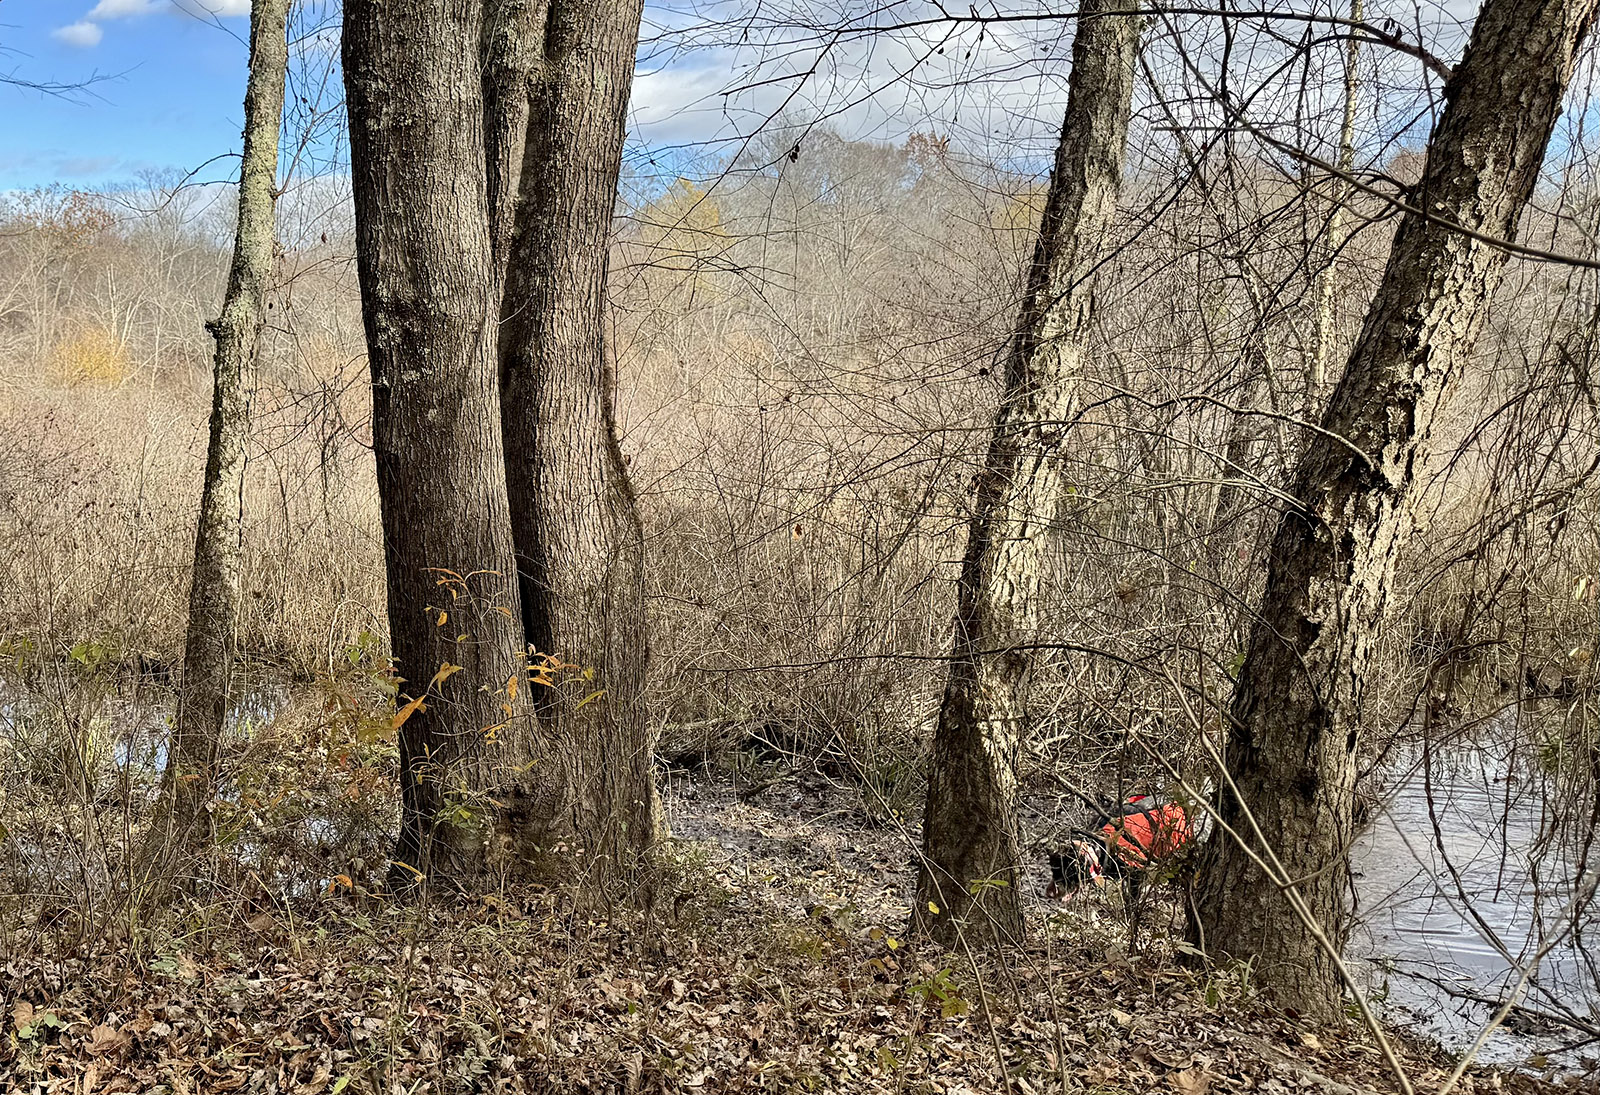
(590, 698)
(407, 711)
(934, 909)
(407, 866)
(444, 618)
(511, 684)
(446, 671)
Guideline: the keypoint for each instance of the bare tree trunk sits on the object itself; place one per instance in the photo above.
(969, 879)
(431, 290)
(182, 820)
(578, 537)
(1333, 240)
(1238, 455)
(1297, 708)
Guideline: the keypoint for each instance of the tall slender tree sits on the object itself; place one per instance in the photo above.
(431, 289)
(968, 878)
(580, 549)
(1333, 237)
(182, 819)
(1296, 710)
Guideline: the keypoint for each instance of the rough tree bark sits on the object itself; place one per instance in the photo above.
(578, 538)
(1297, 707)
(968, 879)
(511, 49)
(182, 819)
(431, 290)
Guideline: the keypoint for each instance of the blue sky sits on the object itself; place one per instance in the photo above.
(169, 94)
(169, 81)
(165, 86)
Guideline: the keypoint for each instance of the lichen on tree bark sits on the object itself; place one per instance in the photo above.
(1297, 708)
(968, 878)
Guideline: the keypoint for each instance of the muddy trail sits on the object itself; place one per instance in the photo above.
(769, 956)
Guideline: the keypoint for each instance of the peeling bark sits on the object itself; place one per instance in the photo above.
(968, 880)
(182, 819)
(1297, 707)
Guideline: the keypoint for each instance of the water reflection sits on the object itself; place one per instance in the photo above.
(136, 727)
(1463, 877)
(86, 761)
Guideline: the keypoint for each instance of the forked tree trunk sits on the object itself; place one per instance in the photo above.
(968, 880)
(1297, 707)
(578, 537)
(182, 819)
(430, 290)
(511, 46)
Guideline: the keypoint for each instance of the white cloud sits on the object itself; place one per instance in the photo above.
(122, 9)
(209, 8)
(83, 34)
(87, 32)
(131, 9)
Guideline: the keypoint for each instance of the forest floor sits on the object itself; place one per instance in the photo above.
(771, 961)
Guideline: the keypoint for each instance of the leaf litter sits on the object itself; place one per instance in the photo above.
(770, 955)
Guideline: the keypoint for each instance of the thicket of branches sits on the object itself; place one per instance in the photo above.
(810, 333)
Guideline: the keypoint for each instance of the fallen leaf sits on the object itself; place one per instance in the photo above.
(104, 1040)
(1191, 1081)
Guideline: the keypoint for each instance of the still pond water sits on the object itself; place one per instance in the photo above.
(1455, 899)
